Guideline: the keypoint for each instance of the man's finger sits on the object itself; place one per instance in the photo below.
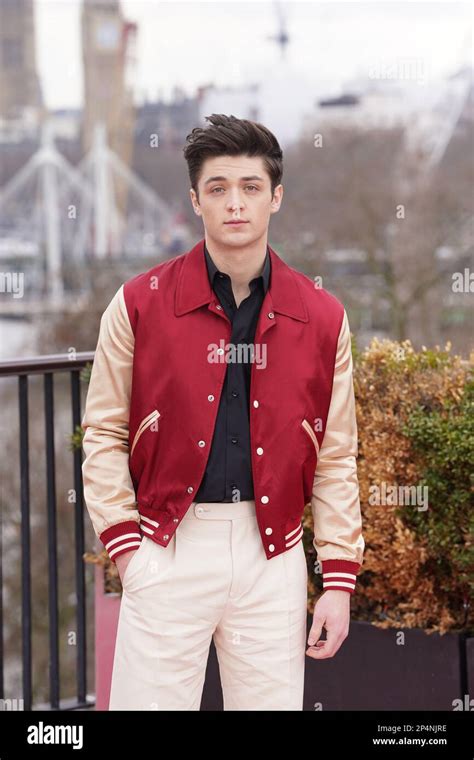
(329, 648)
(315, 631)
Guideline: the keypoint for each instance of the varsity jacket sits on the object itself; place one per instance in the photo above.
(152, 400)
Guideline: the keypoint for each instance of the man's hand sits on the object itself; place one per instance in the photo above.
(123, 561)
(332, 610)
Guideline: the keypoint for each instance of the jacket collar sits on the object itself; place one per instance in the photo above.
(213, 270)
(194, 289)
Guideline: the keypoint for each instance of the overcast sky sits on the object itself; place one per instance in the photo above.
(188, 44)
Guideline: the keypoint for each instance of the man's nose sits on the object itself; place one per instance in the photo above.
(236, 205)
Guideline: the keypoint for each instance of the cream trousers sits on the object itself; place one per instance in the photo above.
(213, 580)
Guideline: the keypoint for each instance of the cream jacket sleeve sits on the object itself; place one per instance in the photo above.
(108, 489)
(335, 501)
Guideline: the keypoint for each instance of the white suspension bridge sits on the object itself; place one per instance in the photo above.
(55, 216)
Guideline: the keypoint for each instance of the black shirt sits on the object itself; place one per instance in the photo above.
(228, 474)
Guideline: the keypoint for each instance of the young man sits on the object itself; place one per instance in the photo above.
(221, 403)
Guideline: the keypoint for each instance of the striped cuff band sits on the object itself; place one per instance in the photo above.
(121, 538)
(340, 574)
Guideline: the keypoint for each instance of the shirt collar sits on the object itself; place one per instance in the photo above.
(212, 270)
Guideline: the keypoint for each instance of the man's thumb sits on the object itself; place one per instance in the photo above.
(315, 631)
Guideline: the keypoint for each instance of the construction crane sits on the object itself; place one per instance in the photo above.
(281, 38)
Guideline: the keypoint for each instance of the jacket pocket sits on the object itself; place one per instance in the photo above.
(311, 434)
(144, 424)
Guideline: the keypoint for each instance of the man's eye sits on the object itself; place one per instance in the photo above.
(216, 188)
(253, 186)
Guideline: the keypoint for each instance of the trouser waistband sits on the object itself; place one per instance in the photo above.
(218, 510)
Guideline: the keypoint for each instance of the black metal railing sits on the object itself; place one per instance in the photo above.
(48, 366)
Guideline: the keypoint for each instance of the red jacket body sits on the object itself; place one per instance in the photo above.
(153, 399)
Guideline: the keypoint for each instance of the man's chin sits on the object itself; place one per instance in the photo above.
(235, 237)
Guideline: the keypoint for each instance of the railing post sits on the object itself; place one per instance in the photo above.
(54, 690)
(25, 542)
(79, 544)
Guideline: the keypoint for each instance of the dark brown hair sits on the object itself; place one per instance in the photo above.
(229, 136)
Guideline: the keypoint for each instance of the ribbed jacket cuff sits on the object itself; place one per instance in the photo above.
(339, 574)
(121, 538)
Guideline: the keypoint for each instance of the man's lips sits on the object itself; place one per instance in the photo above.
(238, 221)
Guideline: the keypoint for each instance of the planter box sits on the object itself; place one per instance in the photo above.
(371, 671)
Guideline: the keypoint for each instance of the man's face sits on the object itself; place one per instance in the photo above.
(235, 189)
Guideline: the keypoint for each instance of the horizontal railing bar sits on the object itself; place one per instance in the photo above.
(46, 363)
(62, 362)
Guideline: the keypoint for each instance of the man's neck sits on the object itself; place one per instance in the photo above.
(242, 265)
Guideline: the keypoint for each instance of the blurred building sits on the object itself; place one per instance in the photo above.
(21, 101)
(243, 102)
(432, 109)
(108, 52)
(171, 121)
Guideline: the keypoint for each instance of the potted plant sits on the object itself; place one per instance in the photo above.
(411, 642)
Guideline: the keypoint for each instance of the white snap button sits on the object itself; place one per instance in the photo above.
(219, 307)
(255, 403)
(271, 548)
(201, 443)
(268, 531)
(210, 398)
(270, 315)
(165, 537)
(190, 489)
(175, 519)
(220, 351)
(264, 499)
(259, 450)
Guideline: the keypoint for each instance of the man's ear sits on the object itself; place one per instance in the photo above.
(277, 198)
(195, 202)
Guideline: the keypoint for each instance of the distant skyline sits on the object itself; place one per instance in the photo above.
(188, 44)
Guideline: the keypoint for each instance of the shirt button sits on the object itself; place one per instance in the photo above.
(264, 499)
(268, 531)
(271, 548)
(270, 315)
(175, 519)
(219, 307)
(165, 537)
(210, 397)
(259, 450)
(234, 440)
(235, 394)
(255, 403)
(190, 489)
(220, 351)
(201, 443)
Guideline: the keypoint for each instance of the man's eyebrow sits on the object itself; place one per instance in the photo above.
(224, 179)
